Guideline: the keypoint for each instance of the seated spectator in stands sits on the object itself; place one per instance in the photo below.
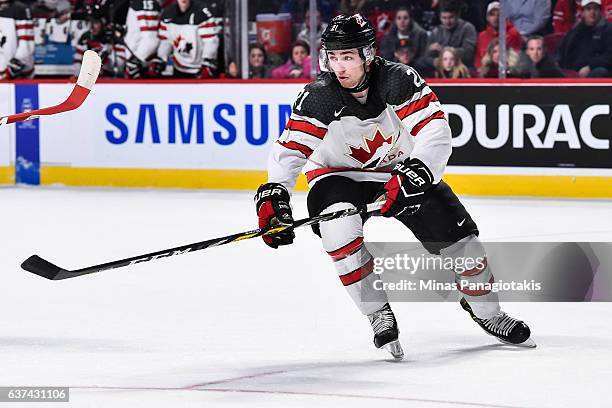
(452, 32)
(535, 62)
(489, 66)
(587, 48)
(403, 29)
(449, 65)
(513, 37)
(258, 62)
(304, 33)
(298, 65)
(528, 16)
(404, 53)
(567, 12)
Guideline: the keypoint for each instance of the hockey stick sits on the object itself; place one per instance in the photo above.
(90, 68)
(46, 269)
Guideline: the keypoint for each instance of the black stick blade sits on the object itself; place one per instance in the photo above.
(41, 267)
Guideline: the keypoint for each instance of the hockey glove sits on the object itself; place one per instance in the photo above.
(206, 73)
(406, 188)
(156, 67)
(133, 67)
(15, 68)
(273, 209)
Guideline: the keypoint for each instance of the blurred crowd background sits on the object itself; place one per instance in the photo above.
(281, 38)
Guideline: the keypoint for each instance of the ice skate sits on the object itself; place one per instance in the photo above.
(386, 332)
(503, 327)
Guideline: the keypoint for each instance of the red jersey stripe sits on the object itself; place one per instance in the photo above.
(306, 127)
(26, 37)
(297, 146)
(148, 18)
(417, 128)
(416, 105)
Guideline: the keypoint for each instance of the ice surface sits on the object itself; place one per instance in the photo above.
(244, 325)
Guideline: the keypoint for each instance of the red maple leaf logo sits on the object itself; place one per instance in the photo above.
(364, 153)
(177, 41)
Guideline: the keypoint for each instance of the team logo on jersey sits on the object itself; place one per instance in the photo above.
(372, 150)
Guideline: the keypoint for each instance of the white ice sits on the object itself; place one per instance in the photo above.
(244, 325)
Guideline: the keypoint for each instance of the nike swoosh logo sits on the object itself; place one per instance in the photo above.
(336, 114)
(460, 223)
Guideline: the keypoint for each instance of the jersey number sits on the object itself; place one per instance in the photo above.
(300, 99)
(416, 78)
(148, 5)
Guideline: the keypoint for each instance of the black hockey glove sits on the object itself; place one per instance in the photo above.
(272, 205)
(156, 67)
(133, 67)
(15, 68)
(406, 188)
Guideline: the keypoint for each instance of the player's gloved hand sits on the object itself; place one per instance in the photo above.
(133, 67)
(14, 68)
(406, 188)
(272, 205)
(156, 67)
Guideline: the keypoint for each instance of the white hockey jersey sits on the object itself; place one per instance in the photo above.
(142, 23)
(331, 133)
(16, 37)
(192, 38)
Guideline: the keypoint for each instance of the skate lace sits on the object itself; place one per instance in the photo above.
(382, 320)
(501, 323)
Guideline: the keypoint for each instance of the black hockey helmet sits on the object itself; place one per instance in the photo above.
(346, 32)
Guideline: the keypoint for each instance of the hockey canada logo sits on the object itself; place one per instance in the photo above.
(372, 150)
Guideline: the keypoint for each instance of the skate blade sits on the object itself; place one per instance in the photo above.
(529, 343)
(395, 348)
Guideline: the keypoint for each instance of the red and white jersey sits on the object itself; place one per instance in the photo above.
(142, 22)
(332, 133)
(192, 37)
(16, 36)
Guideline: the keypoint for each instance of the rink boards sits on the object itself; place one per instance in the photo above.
(534, 139)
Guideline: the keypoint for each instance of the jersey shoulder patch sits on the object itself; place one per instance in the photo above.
(319, 99)
(398, 82)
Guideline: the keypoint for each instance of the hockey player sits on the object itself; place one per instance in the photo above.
(189, 32)
(16, 40)
(368, 129)
(141, 37)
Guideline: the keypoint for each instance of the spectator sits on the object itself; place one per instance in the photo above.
(489, 66)
(141, 38)
(404, 53)
(304, 33)
(17, 39)
(513, 37)
(536, 63)
(587, 48)
(528, 16)
(452, 32)
(190, 35)
(567, 12)
(449, 65)
(258, 62)
(298, 65)
(404, 29)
